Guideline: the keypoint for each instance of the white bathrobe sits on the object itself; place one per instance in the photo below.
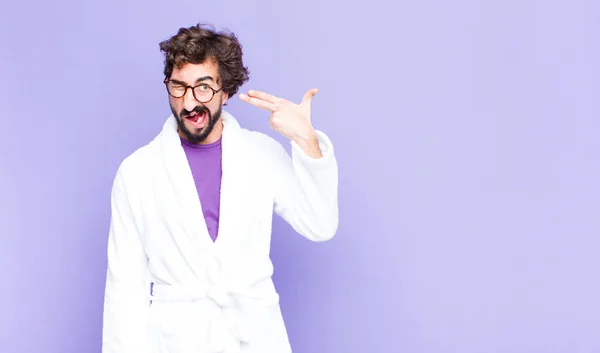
(208, 297)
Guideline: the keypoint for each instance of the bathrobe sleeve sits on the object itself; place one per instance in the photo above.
(126, 302)
(306, 190)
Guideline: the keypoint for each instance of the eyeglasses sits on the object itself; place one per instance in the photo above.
(203, 93)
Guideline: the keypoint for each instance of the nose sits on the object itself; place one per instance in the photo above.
(189, 102)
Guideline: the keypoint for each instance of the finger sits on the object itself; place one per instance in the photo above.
(264, 96)
(308, 96)
(272, 125)
(259, 103)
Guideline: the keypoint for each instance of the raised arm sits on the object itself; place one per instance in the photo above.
(306, 185)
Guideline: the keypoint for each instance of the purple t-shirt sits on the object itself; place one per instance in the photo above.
(205, 163)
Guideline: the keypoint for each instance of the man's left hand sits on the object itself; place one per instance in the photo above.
(289, 119)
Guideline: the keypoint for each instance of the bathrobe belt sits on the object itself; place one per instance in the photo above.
(225, 317)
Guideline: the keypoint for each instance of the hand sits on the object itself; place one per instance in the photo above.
(289, 119)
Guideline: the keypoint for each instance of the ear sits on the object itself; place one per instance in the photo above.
(224, 98)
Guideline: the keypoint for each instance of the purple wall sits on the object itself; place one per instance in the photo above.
(467, 138)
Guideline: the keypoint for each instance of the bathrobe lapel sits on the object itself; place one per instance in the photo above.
(189, 209)
(234, 186)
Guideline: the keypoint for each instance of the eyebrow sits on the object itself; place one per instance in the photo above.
(209, 78)
(205, 78)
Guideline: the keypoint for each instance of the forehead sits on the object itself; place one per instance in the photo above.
(191, 72)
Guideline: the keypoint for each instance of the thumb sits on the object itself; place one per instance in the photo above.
(308, 96)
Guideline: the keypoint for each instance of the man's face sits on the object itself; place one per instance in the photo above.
(198, 122)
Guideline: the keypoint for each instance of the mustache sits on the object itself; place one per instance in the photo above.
(199, 109)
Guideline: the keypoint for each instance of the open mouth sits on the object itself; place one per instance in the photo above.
(197, 119)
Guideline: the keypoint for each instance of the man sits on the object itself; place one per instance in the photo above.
(188, 251)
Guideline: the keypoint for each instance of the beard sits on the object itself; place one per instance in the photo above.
(197, 135)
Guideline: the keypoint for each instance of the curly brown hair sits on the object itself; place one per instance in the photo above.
(198, 43)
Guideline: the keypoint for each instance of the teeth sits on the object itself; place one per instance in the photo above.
(195, 116)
